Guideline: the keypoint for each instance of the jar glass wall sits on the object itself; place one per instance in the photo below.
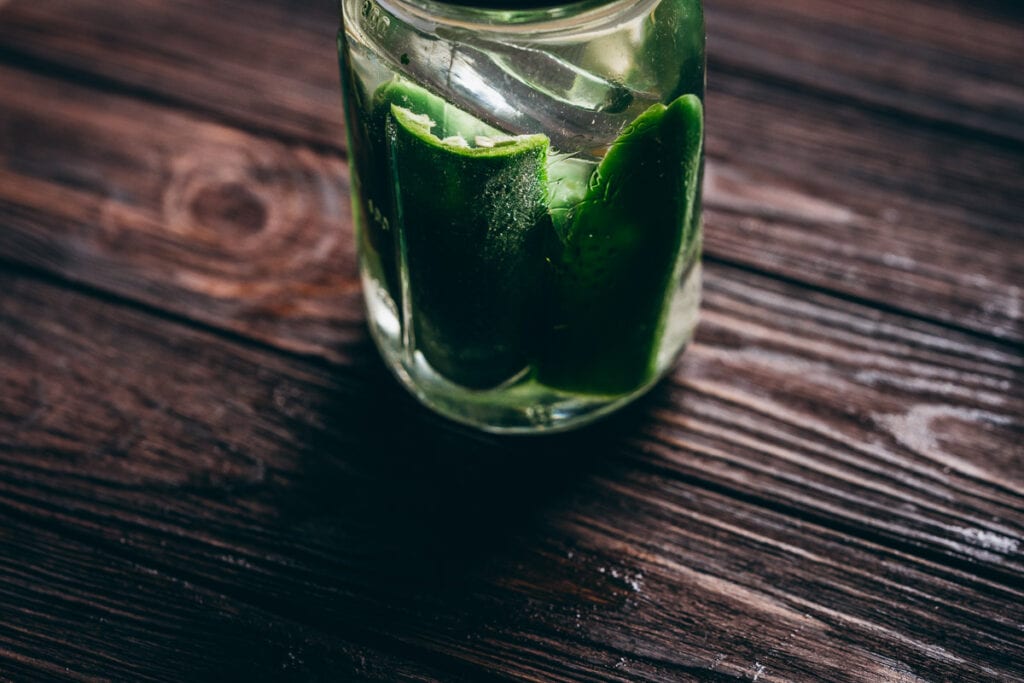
(526, 192)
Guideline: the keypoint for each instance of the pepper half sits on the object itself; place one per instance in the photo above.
(469, 221)
(615, 265)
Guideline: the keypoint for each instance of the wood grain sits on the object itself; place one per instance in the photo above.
(901, 58)
(207, 474)
(253, 235)
(822, 175)
(740, 521)
(266, 65)
(866, 207)
(190, 216)
(75, 611)
(948, 64)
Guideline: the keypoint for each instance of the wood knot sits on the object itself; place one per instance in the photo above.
(256, 221)
(228, 210)
(221, 198)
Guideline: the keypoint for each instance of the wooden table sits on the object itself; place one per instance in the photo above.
(207, 473)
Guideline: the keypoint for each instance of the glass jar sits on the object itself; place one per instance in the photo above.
(526, 191)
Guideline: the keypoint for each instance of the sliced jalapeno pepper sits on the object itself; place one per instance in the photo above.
(468, 222)
(613, 270)
(372, 190)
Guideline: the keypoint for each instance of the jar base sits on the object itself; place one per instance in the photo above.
(521, 405)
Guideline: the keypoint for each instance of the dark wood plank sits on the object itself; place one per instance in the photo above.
(822, 491)
(859, 201)
(274, 69)
(949, 63)
(194, 217)
(253, 235)
(75, 611)
(902, 216)
(266, 65)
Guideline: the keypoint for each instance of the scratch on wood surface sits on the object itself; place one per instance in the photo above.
(908, 429)
(990, 540)
(1008, 301)
(785, 453)
(894, 671)
(770, 605)
(794, 550)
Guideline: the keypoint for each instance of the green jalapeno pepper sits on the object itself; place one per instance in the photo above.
(614, 266)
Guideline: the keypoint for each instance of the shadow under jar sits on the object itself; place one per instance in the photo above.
(526, 188)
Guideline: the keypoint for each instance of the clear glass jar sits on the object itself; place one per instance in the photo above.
(526, 192)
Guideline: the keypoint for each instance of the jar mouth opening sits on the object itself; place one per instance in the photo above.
(531, 16)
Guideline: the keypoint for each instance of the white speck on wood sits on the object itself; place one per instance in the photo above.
(898, 261)
(1006, 301)
(891, 215)
(989, 540)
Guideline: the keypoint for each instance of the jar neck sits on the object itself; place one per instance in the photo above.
(515, 6)
(516, 15)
